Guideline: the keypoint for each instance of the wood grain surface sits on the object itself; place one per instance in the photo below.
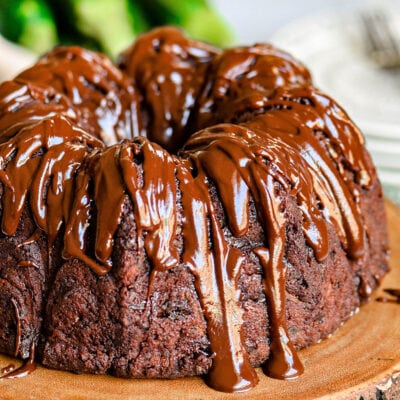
(361, 361)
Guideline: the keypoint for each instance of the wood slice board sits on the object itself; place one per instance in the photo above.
(360, 361)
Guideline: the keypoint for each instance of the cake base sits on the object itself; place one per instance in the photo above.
(360, 361)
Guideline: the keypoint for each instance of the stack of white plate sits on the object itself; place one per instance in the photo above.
(333, 47)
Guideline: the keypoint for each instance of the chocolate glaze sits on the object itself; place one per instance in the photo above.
(103, 99)
(18, 324)
(394, 296)
(25, 369)
(71, 146)
(7, 369)
(169, 70)
(33, 238)
(393, 292)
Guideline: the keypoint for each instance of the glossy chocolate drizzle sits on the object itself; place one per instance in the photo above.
(28, 366)
(18, 330)
(10, 371)
(394, 296)
(78, 135)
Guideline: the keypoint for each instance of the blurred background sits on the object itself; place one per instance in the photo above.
(352, 47)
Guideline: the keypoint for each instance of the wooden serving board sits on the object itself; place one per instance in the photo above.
(361, 361)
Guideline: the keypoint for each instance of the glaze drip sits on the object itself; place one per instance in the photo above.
(89, 141)
(25, 369)
(44, 157)
(7, 369)
(104, 100)
(18, 330)
(394, 296)
(169, 70)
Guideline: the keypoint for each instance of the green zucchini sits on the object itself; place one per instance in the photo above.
(197, 17)
(29, 23)
(111, 24)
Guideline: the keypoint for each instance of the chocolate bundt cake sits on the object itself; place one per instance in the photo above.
(190, 211)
